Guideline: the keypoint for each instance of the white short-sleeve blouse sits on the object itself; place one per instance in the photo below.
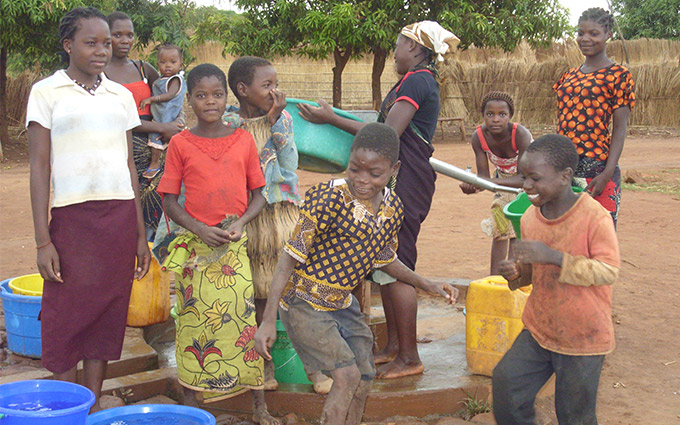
(89, 151)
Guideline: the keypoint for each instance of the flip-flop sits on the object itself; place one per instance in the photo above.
(151, 173)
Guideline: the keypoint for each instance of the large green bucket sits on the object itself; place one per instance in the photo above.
(287, 364)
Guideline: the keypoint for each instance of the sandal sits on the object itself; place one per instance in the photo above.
(151, 173)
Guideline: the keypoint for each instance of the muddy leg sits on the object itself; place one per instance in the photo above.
(270, 382)
(356, 408)
(260, 413)
(345, 383)
(189, 398)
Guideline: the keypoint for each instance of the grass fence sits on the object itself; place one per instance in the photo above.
(527, 74)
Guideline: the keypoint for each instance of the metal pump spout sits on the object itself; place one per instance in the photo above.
(468, 177)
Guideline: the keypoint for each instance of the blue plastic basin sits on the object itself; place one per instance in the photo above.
(44, 402)
(322, 148)
(152, 414)
(21, 321)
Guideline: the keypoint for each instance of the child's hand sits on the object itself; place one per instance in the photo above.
(143, 258)
(144, 103)
(598, 184)
(48, 263)
(322, 114)
(532, 252)
(278, 106)
(264, 339)
(468, 188)
(169, 129)
(213, 236)
(509, 270)
(443, 289)
(235, 231)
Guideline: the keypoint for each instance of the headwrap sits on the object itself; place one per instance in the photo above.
(431, 35)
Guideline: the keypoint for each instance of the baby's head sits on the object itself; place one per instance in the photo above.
(251, 79)
(207, 92)
(169, 59)
(373, 160)
(497, 109)
(548, 167)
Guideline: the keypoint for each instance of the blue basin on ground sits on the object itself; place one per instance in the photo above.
(146, 414)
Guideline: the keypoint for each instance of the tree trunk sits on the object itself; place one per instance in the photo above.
(4, 131)
(379, 57)
(341, 59)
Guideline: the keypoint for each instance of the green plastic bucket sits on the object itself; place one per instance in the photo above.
(322, 148)
(515, 209)
(287, 364)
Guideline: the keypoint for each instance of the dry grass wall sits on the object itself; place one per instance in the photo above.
(527, 74)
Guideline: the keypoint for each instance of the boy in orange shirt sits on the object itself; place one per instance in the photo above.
(570, 247)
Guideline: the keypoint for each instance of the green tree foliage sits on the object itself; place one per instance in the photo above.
(161, 21)
(350, 28)
(29, 32)
(649, 18)
(29, 27)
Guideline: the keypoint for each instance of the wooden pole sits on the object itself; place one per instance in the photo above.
(618, 28)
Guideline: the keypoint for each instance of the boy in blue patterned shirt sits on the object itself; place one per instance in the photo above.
(346, 228)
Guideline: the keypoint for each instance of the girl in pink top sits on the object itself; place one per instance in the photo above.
(501, 143)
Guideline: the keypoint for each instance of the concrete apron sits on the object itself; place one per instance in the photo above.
(440, 390)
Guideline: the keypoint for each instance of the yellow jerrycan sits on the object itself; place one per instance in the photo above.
(150, 297)
(493, 319)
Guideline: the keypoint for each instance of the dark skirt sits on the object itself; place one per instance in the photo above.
(84, 317)
(415, 187)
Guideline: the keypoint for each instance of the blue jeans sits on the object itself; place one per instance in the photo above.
(527, 366)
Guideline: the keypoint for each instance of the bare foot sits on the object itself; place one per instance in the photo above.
(398, 368)
(264, 418)
(107, 402)
(260, 413)
(270, 382)
(322, 383)
(385, 356)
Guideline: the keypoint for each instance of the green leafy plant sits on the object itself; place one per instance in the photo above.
(472, 406)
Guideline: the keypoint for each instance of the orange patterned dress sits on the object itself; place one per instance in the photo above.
(585, 105)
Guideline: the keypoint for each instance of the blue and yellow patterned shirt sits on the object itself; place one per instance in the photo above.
(338, 240)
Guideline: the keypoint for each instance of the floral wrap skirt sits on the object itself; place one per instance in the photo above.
(215, 317)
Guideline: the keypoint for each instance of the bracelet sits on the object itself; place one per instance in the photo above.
(43, 246)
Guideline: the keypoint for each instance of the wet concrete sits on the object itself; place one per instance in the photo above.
(144, 372)
(137, 356)
(438, 391)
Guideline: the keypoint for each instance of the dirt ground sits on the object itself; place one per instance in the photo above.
(640, 382)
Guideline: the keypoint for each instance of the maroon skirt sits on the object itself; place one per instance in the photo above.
(84, 317)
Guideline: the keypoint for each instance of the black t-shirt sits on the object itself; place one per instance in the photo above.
(421, 90)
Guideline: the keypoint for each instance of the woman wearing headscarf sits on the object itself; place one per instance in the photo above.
(411, 108)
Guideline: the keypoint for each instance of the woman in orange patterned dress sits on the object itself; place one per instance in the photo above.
(589, 97)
